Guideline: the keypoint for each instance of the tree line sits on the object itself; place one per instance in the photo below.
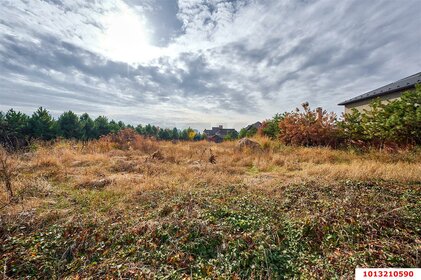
(17, 129)
(396, 122)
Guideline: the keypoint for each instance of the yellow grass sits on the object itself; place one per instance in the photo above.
(186, 164)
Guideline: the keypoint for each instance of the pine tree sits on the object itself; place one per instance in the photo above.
(42, 125)
(17, 128)
(175, 134)
(69, 126)
(101, 126)
(87, 127)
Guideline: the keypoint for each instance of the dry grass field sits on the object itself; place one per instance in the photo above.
(199, 210)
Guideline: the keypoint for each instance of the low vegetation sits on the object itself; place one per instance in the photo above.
(127, 207)
(390, 124)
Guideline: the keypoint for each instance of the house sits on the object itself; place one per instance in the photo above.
(215, 138)
(217, 134)
(256, 126)
(388, 92)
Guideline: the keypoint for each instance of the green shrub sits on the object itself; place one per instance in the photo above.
(394, 122)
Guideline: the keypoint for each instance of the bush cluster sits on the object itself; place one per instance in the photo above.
(309, 128)
(388, 123)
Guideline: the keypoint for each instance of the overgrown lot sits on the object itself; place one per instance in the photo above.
(93, 211)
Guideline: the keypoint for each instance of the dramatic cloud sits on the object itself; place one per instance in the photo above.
(201, 63)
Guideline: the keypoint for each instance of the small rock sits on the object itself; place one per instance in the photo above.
(247, 143)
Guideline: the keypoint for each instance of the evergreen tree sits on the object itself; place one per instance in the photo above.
(69, 126)
(87, 127)
(175, 134)
(121, 125)
(3, 125)
(184, 135)
(155, 130)
(42, 125)
(148, 130)
(114, 127)
(140, 129)
(164, 134)
(101, 126)
(198, 137)
(14, 129)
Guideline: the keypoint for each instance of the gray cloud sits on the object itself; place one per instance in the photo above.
(209, 62)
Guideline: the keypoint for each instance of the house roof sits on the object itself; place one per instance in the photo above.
(256, 125)
(218, 131)
(403, 84)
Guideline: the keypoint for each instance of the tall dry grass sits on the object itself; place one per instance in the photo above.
(190, 160)
(184, 165)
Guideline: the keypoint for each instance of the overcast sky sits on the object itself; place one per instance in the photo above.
(201, 63)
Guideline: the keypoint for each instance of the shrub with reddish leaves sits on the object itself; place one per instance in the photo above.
(128, 139)
(309, 128)
(124, 139)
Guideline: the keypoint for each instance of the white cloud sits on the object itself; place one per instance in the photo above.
(225, 61)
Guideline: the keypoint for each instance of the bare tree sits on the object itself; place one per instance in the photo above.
(6, 171)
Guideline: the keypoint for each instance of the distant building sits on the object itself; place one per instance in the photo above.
(388, 92)
(256, 126)
(215, 138)
(217, 134)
